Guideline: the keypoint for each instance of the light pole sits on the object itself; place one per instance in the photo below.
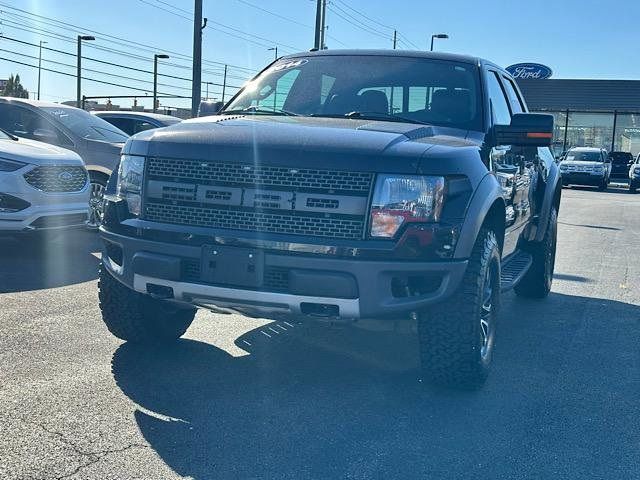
(276, 52)
(438, 35)
(40, 66)
(155, 78)
(79, 72)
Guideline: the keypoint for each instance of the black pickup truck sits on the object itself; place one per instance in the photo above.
(341, 185)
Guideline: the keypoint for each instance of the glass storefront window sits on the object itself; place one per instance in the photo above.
(590, 130)
(559, 124)
(628, 133)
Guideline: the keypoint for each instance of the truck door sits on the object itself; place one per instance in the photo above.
(513, 166)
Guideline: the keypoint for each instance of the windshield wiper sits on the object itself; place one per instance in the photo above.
(370, 116)
(257, 109)
(10, 135)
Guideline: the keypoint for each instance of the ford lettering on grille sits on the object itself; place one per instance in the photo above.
(314, 202)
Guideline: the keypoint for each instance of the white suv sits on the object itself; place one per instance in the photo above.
(42, 187)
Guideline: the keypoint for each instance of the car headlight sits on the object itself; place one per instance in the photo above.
(563, 167)
(130, 179)
(10, 165)
(400, 199)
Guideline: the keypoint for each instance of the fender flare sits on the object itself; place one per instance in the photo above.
(486, 194)
(553, 184)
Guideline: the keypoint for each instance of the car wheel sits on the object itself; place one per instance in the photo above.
(457, 336)
(603, 186)
(96, 208)
(537, 281)
(138, 318)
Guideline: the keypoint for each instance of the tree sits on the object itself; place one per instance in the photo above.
(14, 88)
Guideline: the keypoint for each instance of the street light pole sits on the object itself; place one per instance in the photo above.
(79, 72)
(276, 50)
(40, 66)
(438, 35)
(155, 78)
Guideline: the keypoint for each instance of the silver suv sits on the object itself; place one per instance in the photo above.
(586, 166)
(42, 187)
(96, 141)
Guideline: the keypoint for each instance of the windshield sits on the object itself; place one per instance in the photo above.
(621, 157)
(576, 156)
(86, 125)
(420, 90)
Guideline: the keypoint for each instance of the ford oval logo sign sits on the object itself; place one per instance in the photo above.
(529, 71)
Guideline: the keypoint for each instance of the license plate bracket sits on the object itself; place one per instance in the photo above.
(240, 267)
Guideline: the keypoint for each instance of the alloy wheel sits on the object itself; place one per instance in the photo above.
(96, 205)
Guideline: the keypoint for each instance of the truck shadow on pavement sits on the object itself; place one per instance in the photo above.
(30, 264)
(349, 403)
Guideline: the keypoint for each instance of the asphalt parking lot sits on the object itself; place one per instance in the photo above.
(242, 398)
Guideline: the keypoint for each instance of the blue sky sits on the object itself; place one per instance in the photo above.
(576, 38)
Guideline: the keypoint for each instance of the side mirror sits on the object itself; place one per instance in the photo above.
(526, 129)
(45, 134)
(209, 108)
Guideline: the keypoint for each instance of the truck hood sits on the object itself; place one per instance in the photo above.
(338, 143)
(37, 153)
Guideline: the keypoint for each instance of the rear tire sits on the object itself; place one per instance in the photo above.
(457, 336)
(139, 318)
(537, 281)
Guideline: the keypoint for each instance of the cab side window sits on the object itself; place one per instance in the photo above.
(26, 123)
(499, 106)
(514, 98)
(141, 126)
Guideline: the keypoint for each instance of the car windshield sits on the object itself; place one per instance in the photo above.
(86, 125)
(621, 157)
(393, 88)
(577, 156)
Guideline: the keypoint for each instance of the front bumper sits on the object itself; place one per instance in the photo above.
(586, 178)
(315, 286)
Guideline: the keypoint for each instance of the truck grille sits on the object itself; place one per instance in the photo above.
(311, 202)
(57, 179)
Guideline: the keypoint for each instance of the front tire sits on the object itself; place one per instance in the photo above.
(139, 318)
(537, 281)
(98, 183)
(457, 336)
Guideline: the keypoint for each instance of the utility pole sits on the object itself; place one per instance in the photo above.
(155, 78)
(196, 82)
(40, 67)
(320, 12)
(224, 83)
(395, 39)
(79, 72)
(323, 30)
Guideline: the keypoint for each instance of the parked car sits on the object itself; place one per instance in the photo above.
(620, 164)
(96, 141)
(586, 166)
(136, 122)
(408, 186)
(634, 175)
(42, 187)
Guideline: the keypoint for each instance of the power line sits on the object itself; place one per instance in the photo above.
(85, 78)
(104, 62)
(347, 17)
(128, 42)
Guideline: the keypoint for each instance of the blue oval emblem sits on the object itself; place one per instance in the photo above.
(65, 176)
(529, 71)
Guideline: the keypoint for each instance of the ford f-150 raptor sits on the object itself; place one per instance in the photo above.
(341, 185)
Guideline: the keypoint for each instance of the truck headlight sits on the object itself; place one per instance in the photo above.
(598, 169)
(400, 199)
(130, 179)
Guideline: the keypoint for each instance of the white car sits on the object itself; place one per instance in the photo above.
(586, 166)
(42, 187)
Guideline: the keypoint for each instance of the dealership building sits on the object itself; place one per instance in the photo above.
(588, 113)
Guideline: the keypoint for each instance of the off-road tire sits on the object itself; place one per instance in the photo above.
(537, 281)
(450, 334)
(603, 186)
(632, 189)
(139, 318)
